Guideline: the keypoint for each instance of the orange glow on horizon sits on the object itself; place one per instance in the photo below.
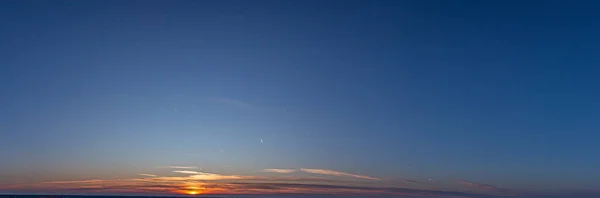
(193, 192)
(206, 184)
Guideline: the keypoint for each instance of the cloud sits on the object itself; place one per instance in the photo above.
(351, 190)
(302, 180)
(214, 183)
(187, 172)
(211, 176)
(164, 179)
(179, 167)
(292, 188)
(192, 154)
(232, 102)
(74, 182)
(477, 185)
(336, 173)
(486, 187)
(411, 181)
(195, 175)
(273, 170)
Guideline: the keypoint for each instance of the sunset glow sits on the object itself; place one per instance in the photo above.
(193, 192)
(195, 183)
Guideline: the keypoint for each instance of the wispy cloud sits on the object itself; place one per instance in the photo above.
(75, 182)
(187, 172)
(164, 179)
(212, 176)
(274, 170)
(411, 181)
(149, 175)
(192, 154)
(336, 173)
(233, 102)
(481, 186)
(179, 167)
(195, 175)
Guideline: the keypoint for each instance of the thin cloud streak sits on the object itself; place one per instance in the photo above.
(337, 173)
(149, 175)
(75, 182)
(411, 181)
(179, 167)
(489, 188)
(192, 154)
(274, 170)
(477, 185)
(187, 172)
(195, 176)
(212, 176)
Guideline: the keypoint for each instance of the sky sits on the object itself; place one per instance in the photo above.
(407, 98)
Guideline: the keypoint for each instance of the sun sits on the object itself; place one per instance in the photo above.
(192, 190)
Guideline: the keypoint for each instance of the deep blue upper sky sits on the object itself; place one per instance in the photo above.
(499, 92)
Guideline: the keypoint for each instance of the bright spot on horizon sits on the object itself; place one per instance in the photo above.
(193, 192)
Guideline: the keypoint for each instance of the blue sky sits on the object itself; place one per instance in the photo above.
(497, 92)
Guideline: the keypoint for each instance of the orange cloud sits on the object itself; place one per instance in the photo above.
(273, 170)
(164, 179)
(336, 173)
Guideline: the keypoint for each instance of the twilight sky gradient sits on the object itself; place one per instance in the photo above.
(393, 98)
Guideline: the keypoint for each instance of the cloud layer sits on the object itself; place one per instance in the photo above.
(213, 183)
(196, 182)
(337, 173)
(168, 185)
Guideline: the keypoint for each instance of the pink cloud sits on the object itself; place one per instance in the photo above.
(273, 170)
